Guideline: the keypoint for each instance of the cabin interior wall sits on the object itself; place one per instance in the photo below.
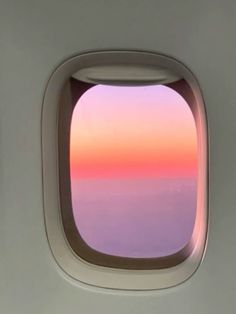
(36, 36)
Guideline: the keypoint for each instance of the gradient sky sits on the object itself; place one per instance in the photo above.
(132, 131)
(133, 163)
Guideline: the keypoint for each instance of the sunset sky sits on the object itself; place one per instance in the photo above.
(132, 132)
(133, 164)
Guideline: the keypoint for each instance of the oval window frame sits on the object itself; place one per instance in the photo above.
(79, 262)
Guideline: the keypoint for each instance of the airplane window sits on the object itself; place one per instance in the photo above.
(125, 169)
(133, 170)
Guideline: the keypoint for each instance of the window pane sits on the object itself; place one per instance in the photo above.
(133, 167)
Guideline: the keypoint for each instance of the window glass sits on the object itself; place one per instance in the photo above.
(133, 170)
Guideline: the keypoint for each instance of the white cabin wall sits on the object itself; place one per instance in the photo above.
(35, 37)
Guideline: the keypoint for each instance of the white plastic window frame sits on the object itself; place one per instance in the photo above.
(71, 263)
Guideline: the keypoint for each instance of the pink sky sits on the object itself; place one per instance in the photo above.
(133, 159)
(132, 132)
